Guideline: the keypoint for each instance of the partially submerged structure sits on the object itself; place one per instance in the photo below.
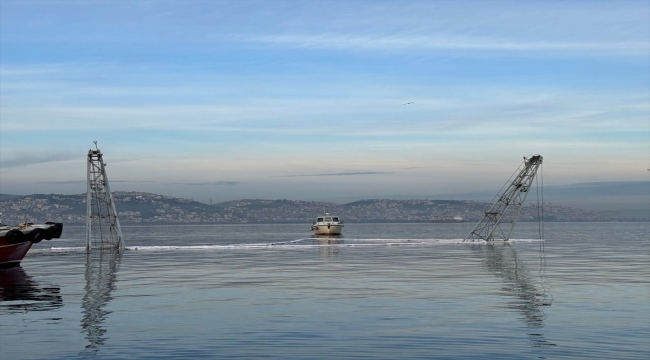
(103, 229)
(499, 221)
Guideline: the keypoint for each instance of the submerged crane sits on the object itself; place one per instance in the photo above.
(499, 221)
(103, 229)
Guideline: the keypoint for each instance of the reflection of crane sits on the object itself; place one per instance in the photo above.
(505, 210)
(102, 225)
(528, 297)
(101, 275)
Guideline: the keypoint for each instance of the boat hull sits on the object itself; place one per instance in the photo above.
(13, 254)
(15, 241)
(327, 229)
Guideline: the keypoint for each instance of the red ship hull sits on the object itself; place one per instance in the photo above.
(13, 254)
(15, 241)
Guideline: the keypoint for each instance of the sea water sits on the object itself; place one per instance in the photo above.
(380, 291)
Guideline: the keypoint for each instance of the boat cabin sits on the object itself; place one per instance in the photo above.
(327, 219)
(327, 225)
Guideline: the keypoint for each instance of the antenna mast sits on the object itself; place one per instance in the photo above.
(103, 229)
(505, 211)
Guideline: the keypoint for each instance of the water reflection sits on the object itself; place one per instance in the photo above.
(326, 240)
(529, 298)
(101, 275)
(19, 293)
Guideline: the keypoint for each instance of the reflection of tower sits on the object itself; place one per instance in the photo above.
(102, 224)
(101, 274)
(529, 299)
(505, 211)
(23, 294)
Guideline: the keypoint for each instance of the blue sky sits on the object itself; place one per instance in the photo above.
(306, 99)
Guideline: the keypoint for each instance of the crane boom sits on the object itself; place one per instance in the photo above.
(499, 221)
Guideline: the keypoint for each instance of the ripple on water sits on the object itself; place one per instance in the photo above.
(380, 291)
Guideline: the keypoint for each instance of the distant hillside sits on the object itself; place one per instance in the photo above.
(383, 210)
(139, 207)
(8, 197)
(132, 207)
(631, 197)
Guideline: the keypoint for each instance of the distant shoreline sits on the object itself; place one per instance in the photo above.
(149, 208)
(351, 222)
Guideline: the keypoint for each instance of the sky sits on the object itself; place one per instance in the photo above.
(321, 100)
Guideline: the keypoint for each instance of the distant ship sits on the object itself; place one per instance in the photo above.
(447, 219)
(327, 225)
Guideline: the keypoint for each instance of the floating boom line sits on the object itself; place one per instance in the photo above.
(103, 229)
(499, 221)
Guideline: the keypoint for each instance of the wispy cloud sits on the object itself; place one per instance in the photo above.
(64, 182)
(252, 91)
(26, 159)
(438, 110)
(78, 182)
(350, 173)
(213, 183)
(401, 42)
(35, 71)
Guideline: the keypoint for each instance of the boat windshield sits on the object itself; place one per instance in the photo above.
(320, 220)
(328, 219)
(335, 219)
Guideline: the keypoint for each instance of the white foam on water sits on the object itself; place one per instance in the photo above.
(58, 251)
(292, 244)
(525, 240)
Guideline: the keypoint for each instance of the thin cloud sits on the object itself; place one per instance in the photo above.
(214, 183)
(351, 173)
(33, 159)
(64, 182)
(327, 41)
(77, 182)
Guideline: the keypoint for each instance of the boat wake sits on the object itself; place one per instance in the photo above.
(304, 243)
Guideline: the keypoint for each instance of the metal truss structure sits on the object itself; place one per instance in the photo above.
(499, 221)
(103, 229)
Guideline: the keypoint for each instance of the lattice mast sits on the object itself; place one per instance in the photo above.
(103, 229)
(499, 221)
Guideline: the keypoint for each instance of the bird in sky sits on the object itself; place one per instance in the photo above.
(409, 103)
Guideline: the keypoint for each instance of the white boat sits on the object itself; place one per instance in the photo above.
(327, 225)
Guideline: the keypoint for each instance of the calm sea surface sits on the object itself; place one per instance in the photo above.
(382, 291)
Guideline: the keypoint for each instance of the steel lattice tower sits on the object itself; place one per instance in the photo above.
(499, 221)
(102, 224)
